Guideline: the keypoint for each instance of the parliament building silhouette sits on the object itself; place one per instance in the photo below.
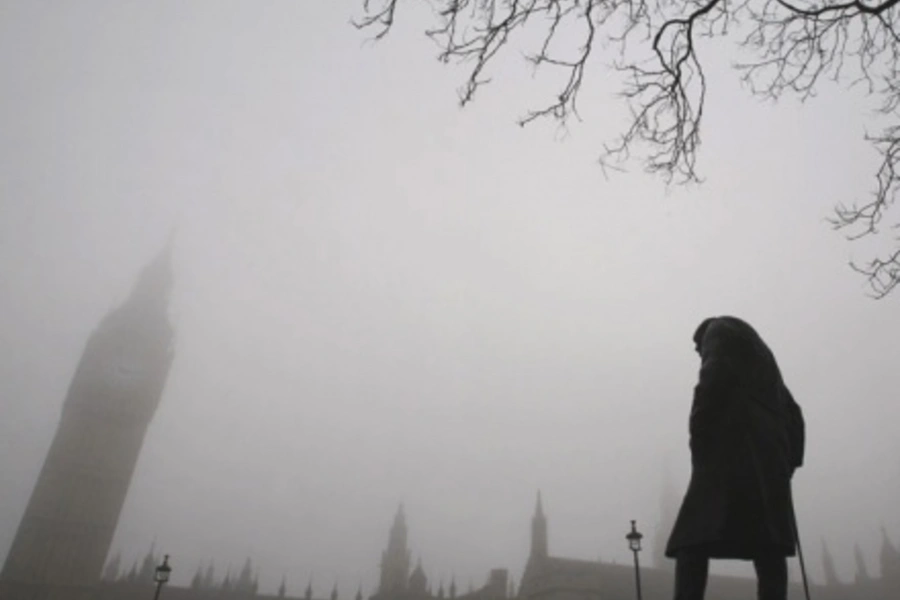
(63, 540)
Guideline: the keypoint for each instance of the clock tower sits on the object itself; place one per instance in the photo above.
(66, 530)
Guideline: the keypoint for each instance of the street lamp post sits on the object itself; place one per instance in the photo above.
(161, 576)
(634, 543)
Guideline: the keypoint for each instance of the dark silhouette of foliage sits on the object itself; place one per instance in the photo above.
(793, 48)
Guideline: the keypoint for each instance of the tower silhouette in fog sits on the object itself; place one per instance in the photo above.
(68, 525)
(395, 559)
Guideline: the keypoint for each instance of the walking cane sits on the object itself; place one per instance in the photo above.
(799, 551)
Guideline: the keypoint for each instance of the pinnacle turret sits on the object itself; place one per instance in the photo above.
(418, 583)
(889, 559)
(395, 558)
(862, 572)
(831, 577)
(539, 546)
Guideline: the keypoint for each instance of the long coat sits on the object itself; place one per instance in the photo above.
(746, 439)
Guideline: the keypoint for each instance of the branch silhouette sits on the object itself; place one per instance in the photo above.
(794, 47)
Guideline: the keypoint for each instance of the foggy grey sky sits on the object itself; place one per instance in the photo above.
(382, 298)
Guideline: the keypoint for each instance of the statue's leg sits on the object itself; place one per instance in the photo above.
(691, 571)
(771, 576)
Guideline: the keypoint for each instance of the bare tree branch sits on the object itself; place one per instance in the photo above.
(795, 46)
(381, 19)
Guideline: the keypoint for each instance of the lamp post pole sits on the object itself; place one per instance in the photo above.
(634, 543)
(161, 576)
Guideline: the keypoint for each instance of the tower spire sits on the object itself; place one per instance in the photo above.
(668, 510)
(831, 577)
(890, 561)
(395, 558)
(418, 582)
(862, 572)
(538, 531)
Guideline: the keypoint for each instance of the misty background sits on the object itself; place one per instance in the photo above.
(380, 298)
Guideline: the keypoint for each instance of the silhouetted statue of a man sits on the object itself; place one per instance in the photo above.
(746, 439)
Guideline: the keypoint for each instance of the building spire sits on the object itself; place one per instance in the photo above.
(112, 570)
(890, 561)
(668, 510)
(888, 548)
(862, 572)
(395, 558)
(538, 531)
(831, 577)
(418, 582)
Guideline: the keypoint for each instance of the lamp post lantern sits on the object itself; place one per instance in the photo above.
(161, 576)
(634, 543)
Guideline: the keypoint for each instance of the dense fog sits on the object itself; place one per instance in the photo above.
(379, 298)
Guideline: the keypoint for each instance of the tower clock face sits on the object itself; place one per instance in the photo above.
(125, 370)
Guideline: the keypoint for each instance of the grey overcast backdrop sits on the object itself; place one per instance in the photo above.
(381, 298)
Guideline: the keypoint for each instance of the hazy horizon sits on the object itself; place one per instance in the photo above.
(381, 298)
